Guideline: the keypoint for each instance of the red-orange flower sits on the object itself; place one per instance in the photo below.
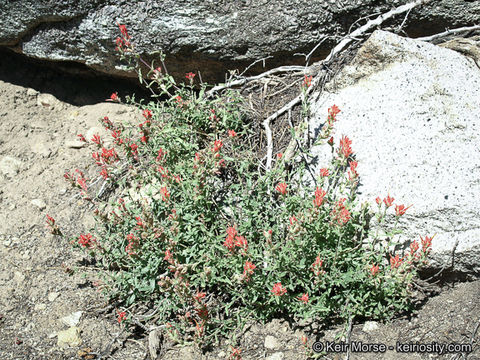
(235, 355)
(278, 289)
(400, 210)
(114, 97)
(189, 76)
(324, 172)
(303, 298)
(281, 188)
(87, 241)
(217, 145)
(395, 262)
(307, 81)
(345, 148)
(319, 197)
(374, 270)
(426, 243)
(121, 316)
(248, 270)
(147, 114)
(388, 201)
(232, 133)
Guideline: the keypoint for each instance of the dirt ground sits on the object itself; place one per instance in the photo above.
(42, 280)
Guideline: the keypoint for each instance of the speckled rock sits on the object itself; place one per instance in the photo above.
(411, 110)
(203, 35)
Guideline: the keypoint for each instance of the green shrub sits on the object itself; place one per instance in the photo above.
(197, 231)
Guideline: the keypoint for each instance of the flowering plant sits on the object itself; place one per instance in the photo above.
(196, 231)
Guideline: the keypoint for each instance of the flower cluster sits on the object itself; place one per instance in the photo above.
(233, 240)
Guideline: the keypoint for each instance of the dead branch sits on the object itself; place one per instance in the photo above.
(449, 32)
(243, 81)
(371, 24)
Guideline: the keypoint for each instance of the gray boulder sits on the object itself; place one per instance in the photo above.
(209, 36)
(412, 111)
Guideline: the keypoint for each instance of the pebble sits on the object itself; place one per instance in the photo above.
(32, 92)
(40, 307)
(271, 342)
(39, 203)
(222, 354)
(276, 356)
(370, 326)
(10, 166)
(52, 296)
(69, 337)
(74, 144)
(72, 319)
(18, 277)
(47, 100)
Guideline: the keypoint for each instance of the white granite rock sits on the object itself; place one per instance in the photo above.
(412, 111)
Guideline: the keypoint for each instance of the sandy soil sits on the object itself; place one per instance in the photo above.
(42, 279)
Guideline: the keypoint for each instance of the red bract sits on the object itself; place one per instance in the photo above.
(281, 188)
(107, 123)
(330, 141)
(279, 156)
(334, 110)
(378, 200)
(278, 289)
(400, 210)
(168, 256)
(395, 262)
(388, 201)
(307, 81)
(114, 97)
(352, 174)
(374, 270)
(121, 316)
(165, 194)
(345, 150)
(189, 76)
(232, 133)
(217, 145)
(82, 138)
(340, 214)
(324, 172)
(123, 30)
(319, 197)
(96, 139)
(426, 243)
(332, 113)
(303, 298)
(87, 241)
(235, 355)
(248, 270)
(147, 114)
(317, 266)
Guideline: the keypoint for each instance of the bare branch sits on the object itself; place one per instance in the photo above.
(449, 32)
(243, 81)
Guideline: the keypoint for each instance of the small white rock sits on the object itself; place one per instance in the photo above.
(222, 354)
(47, 100)
(10, 166)
(72, 319)
(69, 337)
(39, 203)
(52, 296)
(32, 92)
(271, 342)
(370, 326)
(276, 356)
(18, 277)
(40, 307)
(74, 144)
